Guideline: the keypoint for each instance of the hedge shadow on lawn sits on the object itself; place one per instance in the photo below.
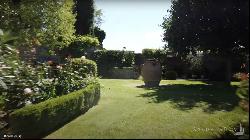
(218, 97)
(60, 125)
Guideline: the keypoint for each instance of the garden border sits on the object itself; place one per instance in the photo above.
(39, 120)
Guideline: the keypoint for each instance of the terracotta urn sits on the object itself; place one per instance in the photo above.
(151, 73)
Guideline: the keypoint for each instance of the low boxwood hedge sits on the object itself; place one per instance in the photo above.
(38, 120)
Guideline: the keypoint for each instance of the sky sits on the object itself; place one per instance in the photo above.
(134, 24)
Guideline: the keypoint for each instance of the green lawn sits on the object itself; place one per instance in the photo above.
(177, 109)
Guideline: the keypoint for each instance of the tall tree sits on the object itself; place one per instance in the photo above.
(100, 34)
(84, 10)
(218, 26)
(214, 27)
(49, 22)
(98, 17)
(97, 31)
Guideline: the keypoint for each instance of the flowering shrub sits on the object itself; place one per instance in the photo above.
(71, 76)
(45, 90)
(15, 76)
(84, 67)
(69, 80)
(22, 84)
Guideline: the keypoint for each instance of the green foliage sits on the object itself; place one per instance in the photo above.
(53, 113)
(195, 65)
(6, 37)
(215, 27)
(69, 80)
(107, 59)
(86, 40)
(159, 54)
(211, 27)
(243, 90)
(168, 61)
(76, 74)
(79, 46)
(148, 53)
(100, 34)
(170, 75)
(84, 67)
(216, 67)
(155, 54)
(98, 17)
(116, 58)
(39, 22)
(45, 90)
(15, 75)
(17, 79)
(97, 31)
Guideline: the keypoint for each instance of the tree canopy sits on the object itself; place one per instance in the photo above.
(100, 34)
(46, 22)
(212, 26)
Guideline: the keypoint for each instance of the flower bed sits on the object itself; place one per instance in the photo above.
(37, 120)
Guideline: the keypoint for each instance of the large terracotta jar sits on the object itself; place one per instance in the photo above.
(151, 73)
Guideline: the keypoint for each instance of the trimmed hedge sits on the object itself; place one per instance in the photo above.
(158, 54)
(115, 58)
(168, 60)
(107, 59)
(83, 66)
(36, 121)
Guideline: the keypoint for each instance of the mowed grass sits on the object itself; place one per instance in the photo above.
(176, 109)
